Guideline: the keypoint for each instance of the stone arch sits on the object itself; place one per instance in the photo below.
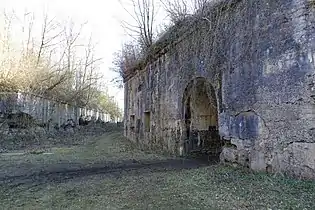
(200, 115)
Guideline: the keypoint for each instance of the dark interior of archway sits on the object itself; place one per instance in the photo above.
(201, 120)
(187, 116)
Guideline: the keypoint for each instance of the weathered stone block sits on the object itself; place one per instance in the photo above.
(301, 159)
(252, 78)
(257, 161)
(229, 155)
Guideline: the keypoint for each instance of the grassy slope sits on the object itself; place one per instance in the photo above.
(212, 187)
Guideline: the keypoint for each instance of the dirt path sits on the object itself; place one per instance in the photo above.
(59, 173)
(24, 168)
(107, 172)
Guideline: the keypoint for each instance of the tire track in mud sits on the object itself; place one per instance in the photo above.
(57, 174)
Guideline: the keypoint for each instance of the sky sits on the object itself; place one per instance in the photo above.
(103, 22)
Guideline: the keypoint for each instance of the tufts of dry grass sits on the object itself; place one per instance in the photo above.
(205, 187)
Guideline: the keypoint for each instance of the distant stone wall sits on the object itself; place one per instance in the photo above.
(249, 72)
(44, 110)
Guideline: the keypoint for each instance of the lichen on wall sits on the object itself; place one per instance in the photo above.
(256, 59)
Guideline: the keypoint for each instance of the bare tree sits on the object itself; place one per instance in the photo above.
(179, 10)
(48, 62)
(143, 14)
(50, 32)
(87, 76)
(56, 61)
(141, 29)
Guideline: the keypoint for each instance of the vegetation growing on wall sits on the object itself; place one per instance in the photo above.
(187, 17)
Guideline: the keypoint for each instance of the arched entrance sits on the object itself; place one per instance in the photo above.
(201, 120)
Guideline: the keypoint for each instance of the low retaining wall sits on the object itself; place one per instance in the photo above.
(44, 110)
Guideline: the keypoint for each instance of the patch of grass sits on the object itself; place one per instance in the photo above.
(211, 187)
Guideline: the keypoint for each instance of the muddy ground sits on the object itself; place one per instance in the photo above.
(104, 171)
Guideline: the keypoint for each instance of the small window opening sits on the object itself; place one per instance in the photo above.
(140, 87)
(147, 119)
(132, 122)
(138, 126)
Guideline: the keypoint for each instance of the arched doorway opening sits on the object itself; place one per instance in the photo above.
(201, 120)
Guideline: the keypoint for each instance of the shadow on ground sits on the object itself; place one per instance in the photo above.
(113, 169)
